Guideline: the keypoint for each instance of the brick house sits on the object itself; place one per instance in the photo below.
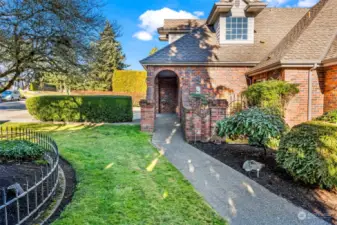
(243, 42)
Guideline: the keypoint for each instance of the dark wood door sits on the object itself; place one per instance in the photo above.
(168, 95)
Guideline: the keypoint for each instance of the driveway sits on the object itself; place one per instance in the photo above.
(17, 112)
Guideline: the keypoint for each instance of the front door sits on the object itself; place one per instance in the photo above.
(168, 95)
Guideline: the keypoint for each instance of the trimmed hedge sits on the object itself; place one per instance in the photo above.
(136, 97)
(309, 153)
(129, 81)
(97, 109)
(330, 117)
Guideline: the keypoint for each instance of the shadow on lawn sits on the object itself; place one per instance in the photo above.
(50, 127)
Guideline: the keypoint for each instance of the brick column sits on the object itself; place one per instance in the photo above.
(206, 124)
(147, 116)
(187, 116)
(218, 110)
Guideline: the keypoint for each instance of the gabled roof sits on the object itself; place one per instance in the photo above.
(308, 42)
(201, 46)
(181, 24)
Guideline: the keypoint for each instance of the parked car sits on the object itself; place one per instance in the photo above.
(10, 96)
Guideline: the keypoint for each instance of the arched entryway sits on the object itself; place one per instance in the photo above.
(167, 92)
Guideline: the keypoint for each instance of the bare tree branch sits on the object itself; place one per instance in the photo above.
(48, 35)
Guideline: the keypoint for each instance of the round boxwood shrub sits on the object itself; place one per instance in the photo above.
(309, 153)
(96, 109)
(20, 150)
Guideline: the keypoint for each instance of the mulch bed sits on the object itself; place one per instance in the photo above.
(14, 172)
(320, 202)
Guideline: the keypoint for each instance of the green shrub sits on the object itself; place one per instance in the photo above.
(309, 153)
(97, 109)
(129, 81)
(330, 117)
(256, 124)
(271, 94)
(20, 150)
(136, 97)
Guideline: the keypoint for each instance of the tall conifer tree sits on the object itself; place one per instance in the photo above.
(109, 57)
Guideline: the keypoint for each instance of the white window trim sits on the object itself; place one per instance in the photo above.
(223, 40)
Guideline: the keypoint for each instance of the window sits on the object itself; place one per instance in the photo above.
(236, 28)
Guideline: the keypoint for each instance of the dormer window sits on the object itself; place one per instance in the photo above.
(233, 20)
(236, 29)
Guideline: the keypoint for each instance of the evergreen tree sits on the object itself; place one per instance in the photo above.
(109, 57)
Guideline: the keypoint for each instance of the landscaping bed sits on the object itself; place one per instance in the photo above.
(21, 173)
(320, 202)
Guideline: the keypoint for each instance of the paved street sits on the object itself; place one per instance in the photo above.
(17, 112)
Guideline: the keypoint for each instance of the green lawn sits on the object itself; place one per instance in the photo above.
(122, 179)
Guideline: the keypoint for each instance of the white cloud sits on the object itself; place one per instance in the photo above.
(199, 13)
(152, 19)
(273, 3)
(143, 36)
(307, 3)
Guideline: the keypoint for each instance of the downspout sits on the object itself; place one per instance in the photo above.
(249, 79)
(310, 91)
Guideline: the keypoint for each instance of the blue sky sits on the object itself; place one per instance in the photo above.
(140, 19)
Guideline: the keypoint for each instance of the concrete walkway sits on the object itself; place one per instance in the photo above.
(234, 196)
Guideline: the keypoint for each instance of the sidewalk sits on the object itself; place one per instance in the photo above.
(234, 196)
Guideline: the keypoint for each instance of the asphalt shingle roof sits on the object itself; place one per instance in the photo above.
(182, 24)
(309, 41)
(202, 46)
(332, 54)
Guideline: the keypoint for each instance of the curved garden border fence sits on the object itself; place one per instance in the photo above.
(44, 183)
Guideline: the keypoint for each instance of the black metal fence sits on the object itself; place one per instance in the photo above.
(37, 188)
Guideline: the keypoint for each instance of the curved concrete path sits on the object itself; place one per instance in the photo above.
(234, 196)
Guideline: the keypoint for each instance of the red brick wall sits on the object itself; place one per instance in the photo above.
(297, 109)
(209, 79)
(330, 98)
(324, 95)
(147, 116)
(201, 128)
(318, 88)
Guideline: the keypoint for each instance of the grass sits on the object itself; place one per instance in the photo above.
(122, 179)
